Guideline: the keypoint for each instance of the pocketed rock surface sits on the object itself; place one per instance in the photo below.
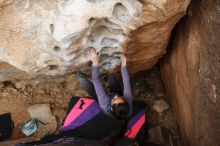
(49, 37)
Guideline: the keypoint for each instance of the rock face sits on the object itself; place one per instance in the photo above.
(50, 37)
(190, 71)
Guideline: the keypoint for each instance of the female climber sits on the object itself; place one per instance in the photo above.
(114, 104)
(106, 117)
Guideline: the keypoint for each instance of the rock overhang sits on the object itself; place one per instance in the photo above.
(51, 37)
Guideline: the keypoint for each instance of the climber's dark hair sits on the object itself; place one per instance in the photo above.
(120, 111)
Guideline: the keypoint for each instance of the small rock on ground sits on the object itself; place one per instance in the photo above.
(160, 105)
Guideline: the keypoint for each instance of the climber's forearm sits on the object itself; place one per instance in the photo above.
(103, 99)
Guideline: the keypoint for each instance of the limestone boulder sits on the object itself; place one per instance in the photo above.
(51, 37)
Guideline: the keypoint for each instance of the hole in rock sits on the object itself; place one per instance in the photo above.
(109, 50)
(121, 13)
(116, 54)
(105, 50)
(56, 49)
(51, 28)
(109, 61)
(53, 67)
(92, 1)
(104, 58)
(9, 84)
(111, 24)
(99, 30)
(92, 21)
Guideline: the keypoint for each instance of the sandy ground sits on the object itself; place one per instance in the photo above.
(16, 97)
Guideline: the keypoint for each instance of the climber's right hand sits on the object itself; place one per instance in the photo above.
(93, 56)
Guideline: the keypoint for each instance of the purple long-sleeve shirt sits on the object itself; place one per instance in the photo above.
(103, 98)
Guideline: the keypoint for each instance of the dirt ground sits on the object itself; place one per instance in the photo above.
(17, 97)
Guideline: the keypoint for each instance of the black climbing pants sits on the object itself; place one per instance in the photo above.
(113, 83)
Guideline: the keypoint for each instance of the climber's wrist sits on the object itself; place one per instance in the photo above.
(95, 63)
